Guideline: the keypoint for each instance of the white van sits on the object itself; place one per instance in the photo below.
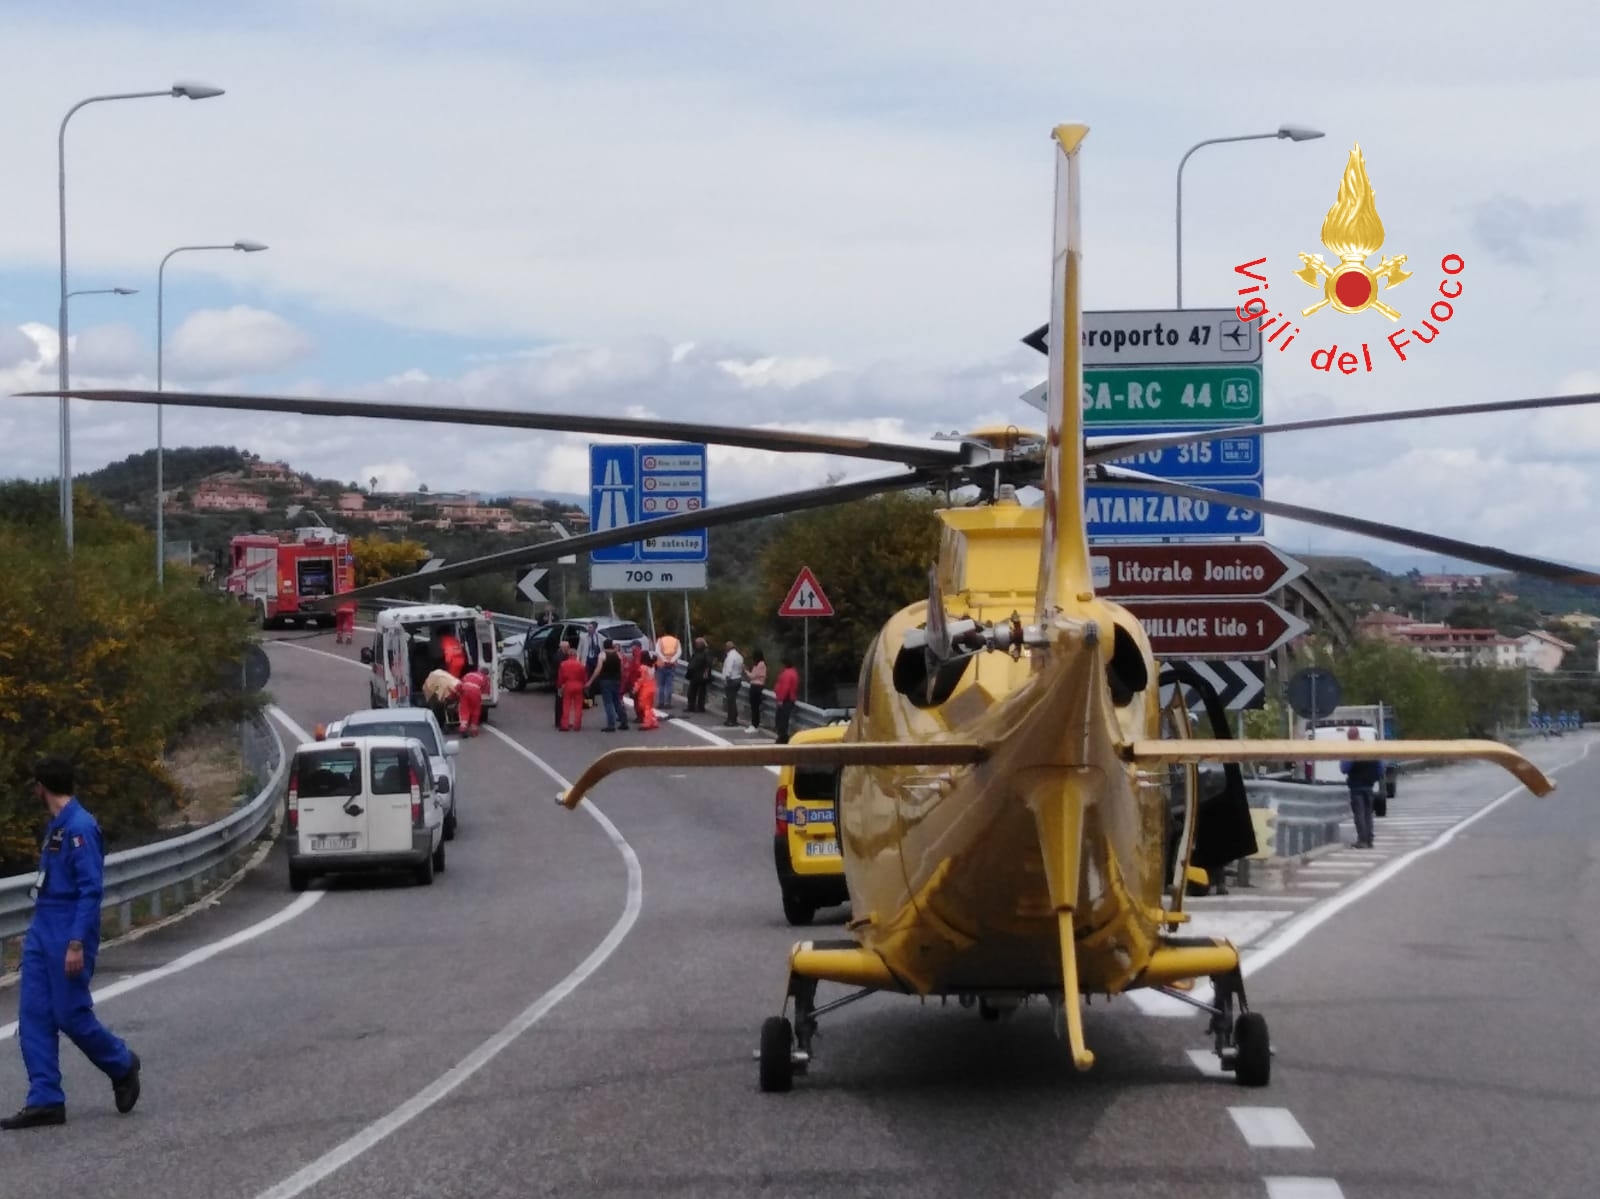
(363, 803)
(1324, 770)
(406, 648)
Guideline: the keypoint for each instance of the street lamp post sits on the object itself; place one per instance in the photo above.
(192, 91)
(249, 247)
(1297, 133)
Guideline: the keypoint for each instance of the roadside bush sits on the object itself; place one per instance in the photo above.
(100, 665)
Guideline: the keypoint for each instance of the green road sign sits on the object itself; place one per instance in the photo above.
(1167, 395)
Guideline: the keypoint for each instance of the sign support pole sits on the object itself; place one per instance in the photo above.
(688, 633)
(805, 659)
(650, 615)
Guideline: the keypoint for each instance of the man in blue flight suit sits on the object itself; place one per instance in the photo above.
(58, 959)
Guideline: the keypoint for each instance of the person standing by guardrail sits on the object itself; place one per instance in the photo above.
(785, 692)
(58, 957)
(698, 676)
(1362, 776)
(732, 679)
(668, 649)
(758, 686)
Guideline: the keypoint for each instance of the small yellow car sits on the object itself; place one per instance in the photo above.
(805, 840)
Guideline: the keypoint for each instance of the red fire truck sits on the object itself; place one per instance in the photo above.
(274, 573)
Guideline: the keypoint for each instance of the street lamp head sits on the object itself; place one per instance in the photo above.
(125, 291)
(249, 247)
(1298, 133)
(196, 91)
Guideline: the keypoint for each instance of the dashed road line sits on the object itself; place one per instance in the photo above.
(1290, 1187)
(1270, 1128)
(344, 1153)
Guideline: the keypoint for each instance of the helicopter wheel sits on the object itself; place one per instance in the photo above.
(1252, 1049)
(777, 1066)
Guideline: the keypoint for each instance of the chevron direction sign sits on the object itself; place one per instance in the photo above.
(1239, 684)
(1208, 628)
(1226, 570)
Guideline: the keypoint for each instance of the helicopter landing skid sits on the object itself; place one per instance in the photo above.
(1242, 1045)
(786, 1046)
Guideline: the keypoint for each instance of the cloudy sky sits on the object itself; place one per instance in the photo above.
(831, 216)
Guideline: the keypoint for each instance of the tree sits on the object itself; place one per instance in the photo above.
(378, 558)
(372, 484)
(872, 559)
(100, 664)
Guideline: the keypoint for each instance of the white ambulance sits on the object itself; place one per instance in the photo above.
(410, 644)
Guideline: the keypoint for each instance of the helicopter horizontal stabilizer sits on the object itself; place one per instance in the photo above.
(1184, 750)
(848, 753)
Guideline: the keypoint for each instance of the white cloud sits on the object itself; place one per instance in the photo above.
(109, 350)
(213, 344)
(16, 347)
(391, 476)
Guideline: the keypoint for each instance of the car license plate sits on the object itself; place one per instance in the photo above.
(822, 849)
(327, 843)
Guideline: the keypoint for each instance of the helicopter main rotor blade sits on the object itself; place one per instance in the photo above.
(1123, 447)
(1486, 555)
(780, 440)
(705, 518)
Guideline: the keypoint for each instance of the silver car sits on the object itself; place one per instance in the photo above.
(423, 726)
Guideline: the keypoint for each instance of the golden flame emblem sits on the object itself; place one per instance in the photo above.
(1353, 231)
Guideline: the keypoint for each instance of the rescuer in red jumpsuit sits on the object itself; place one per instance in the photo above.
(344, 624)
(571, 681)
(452, 654)
(474, 686)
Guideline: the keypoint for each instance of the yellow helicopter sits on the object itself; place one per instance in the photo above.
(1005, 779)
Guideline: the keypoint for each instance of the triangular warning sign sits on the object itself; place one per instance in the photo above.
(805, 597)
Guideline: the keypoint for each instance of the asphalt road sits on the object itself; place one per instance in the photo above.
(1432, 1038)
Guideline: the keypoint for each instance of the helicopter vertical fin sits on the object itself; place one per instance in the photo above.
(1064, 573)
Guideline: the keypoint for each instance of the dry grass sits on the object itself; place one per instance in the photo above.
(209, 770)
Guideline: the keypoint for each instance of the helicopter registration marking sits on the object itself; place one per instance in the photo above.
(822, 849)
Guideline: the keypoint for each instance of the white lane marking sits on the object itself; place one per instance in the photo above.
(195, 956)
(1196, 903)
(1205, 1061)
(708, 735)
(132, 982)
(342, 1154)
(1154, 1003)
(1301, 926)
(1315, 885)
(1290, 1187)
(1270, 1128)
(308, 649)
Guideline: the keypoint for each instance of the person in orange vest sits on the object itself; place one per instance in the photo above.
(474, 686)
(644, 696)
(668, 651)
(571, 682)
(344, 624)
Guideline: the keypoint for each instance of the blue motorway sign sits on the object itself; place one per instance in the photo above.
(1234, 457)
(635, 484)
(1117, 513)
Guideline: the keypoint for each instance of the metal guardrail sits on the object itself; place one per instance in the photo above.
(187, 864)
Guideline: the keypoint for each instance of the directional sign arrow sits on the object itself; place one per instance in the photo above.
(1235, 570)
(1201, 628)
(529, 585)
